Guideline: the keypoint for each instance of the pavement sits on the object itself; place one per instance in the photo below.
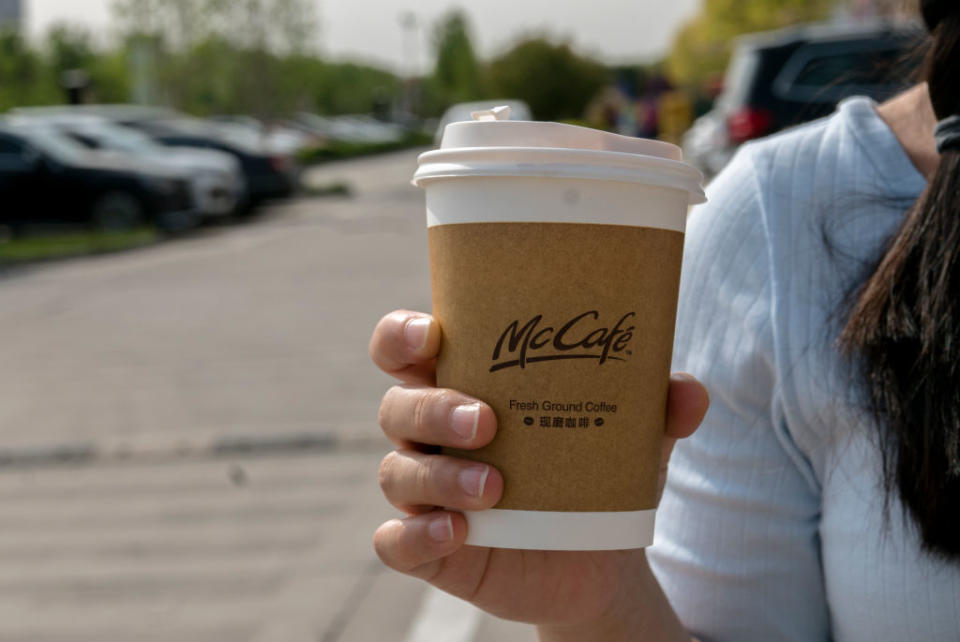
(188, 442)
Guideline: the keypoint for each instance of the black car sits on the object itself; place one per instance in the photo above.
(783, 78)
(46, 178)
(268, 174)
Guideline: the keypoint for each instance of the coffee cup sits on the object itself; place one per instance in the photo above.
(555, 256)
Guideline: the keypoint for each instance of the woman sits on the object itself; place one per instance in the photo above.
(820, 499)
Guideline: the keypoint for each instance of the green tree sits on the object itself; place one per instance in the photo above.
(177, 23)
(348, 88)
(110, 77)
(24, 78)
(278, 26)
(70, 47)
(457, 72)
(703, 46)
(223, 55)
(554, 80)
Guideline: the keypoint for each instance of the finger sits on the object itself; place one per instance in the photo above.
(666, 450)
(416, 482)
(436, 416)
(405, 345)
(687, 404)
(416, 545)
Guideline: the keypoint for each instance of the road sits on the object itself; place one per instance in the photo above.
(189, 441)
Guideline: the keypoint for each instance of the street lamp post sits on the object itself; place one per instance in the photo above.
(410, 63)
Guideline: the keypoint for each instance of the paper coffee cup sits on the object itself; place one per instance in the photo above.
(555, 257)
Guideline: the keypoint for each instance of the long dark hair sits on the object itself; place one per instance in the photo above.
(904, 328)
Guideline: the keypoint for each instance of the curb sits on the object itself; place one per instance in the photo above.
(57, 455)
(88, 453)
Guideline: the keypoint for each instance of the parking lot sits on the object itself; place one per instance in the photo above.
(189, 437)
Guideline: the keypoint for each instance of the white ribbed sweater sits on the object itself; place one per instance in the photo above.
(772, 527)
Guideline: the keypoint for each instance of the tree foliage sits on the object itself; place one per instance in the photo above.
(280, 26)
(702, 47)
(348, 88)
(23, 77)
(201, 71)
(457, 72)
(32, 75)
(554, 80)
(211, 55)
(70, 47)
(548, 74)
(258, 56)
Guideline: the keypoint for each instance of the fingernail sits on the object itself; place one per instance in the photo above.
(416, 332)
(441, 529)
(465, 420)
(472, 480)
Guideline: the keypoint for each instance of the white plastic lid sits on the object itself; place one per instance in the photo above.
(493, 128)
(491, 145)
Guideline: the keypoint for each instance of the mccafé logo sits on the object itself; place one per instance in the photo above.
(578, 338)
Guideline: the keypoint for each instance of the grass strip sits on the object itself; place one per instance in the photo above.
(341, 150)
(48, 246)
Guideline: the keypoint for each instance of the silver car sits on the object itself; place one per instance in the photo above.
(216, 179)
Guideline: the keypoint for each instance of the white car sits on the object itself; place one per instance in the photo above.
(519, 110)
(215, 177)
(707, 146)
(276, 137)
(356, 128)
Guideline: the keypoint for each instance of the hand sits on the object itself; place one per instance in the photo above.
(557, 588)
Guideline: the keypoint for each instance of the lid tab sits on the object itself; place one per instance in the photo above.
(496, 113)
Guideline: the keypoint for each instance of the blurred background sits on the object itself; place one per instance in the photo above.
(205, 208)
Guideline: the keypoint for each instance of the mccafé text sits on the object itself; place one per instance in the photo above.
(576, 338)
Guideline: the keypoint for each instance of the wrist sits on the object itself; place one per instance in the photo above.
(639, 612)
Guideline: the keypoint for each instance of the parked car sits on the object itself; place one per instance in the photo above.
(356, 128)
(47, 178)
(519, 110)
(216, 180)
(783, 78)
(267, 173)
(276, 136)
(109, 112)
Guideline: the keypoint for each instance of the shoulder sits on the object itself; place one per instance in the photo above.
(758, 166)
(778, 190)
(848, 132)
(761, 233)
(759, 282)
(851, 152)
(798, 158)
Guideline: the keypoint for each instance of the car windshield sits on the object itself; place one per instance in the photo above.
(201, 134)
(123, 139)
(831, 73)
(59, 146)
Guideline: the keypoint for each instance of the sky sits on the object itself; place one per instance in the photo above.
(369, 30)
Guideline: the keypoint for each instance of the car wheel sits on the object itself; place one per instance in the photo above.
(117, 212)
(177, 222)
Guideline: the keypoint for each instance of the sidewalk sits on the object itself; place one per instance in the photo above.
(258, 549)
(188, 436)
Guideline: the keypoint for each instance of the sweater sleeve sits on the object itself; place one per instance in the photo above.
(736, 546)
